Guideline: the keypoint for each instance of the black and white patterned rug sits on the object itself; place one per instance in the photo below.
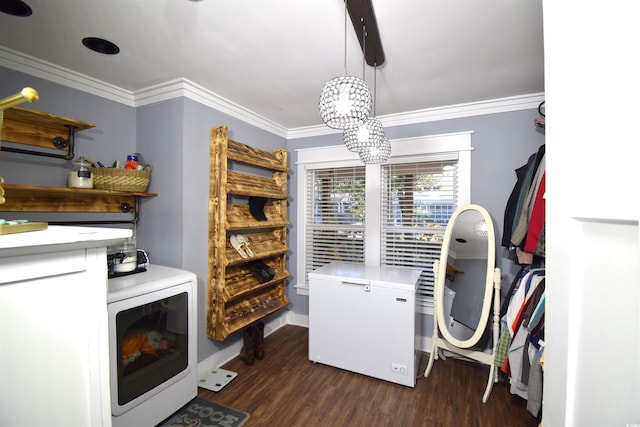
(204, 413)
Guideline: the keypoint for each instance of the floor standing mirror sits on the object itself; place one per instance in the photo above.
(467, 292)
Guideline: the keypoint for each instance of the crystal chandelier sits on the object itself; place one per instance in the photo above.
(370, 134)
(364, 137)
(369, 140)
(376, 155)
(345, 101)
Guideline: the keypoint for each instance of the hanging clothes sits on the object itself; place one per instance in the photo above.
(536, 221)
(521, 228)
(510, 210)
(522, 313)
(524, 219)
(523, 331)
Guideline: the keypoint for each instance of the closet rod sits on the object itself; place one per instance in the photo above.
(58, 142)
(35, 153)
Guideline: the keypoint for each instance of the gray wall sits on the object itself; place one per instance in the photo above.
(174, 225)
(174, 137)
(112, 138)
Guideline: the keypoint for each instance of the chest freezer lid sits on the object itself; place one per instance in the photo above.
(404, 278)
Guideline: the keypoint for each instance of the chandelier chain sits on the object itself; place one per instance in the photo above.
(364, 48)
(375, 97)
(345, 37)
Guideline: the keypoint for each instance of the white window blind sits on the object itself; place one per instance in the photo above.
(335, 209)
(409, 202)
(417, 201)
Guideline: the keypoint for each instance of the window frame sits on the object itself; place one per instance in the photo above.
(404, 150)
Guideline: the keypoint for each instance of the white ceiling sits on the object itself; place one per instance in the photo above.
(273, 57)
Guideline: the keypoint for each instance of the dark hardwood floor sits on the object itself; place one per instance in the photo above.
(286, 389)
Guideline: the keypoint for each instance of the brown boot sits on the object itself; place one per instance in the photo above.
(247, 354)
(259, 340)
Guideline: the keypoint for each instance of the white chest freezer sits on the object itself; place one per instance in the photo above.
(363, 319)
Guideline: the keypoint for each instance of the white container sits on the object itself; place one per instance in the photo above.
(81, 174)
(124, 257)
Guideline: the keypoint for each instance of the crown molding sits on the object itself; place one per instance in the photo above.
(26, 64)
(481, 108)
(187, 89)
(177, 88)
(17, 61)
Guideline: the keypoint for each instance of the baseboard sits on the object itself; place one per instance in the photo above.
(296, 319)
(288, 318)
(229, 353)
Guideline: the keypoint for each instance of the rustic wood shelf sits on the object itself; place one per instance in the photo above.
(27, 198)
(235, 297)
(31, 127)
(237, 315)
(240, 282)
(239, 218)
(249, 185)
(37, 128)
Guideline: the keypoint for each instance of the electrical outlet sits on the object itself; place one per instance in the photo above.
(399, 369)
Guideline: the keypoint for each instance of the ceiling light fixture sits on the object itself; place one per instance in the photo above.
(365, 138)
(345, 101)
(369, 140)
(99, 45)
(377, 155)
(362, 13)
(15, 8)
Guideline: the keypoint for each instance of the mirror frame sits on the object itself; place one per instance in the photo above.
(488, 282)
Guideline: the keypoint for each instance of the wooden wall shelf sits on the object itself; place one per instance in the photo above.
(27, 198)
(37, 128)
(235, 297)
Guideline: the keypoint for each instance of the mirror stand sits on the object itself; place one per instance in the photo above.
(466, 309)
(487, 358)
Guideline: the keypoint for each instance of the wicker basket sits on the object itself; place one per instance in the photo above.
(121, 179)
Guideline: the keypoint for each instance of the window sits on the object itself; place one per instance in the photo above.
(400, 209)
(335, 216)
(417, 201)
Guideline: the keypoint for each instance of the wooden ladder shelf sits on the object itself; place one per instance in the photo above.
(235, 297)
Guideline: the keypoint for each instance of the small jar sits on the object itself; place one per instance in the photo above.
(123, 257)
(81, 174)
(132, 162)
